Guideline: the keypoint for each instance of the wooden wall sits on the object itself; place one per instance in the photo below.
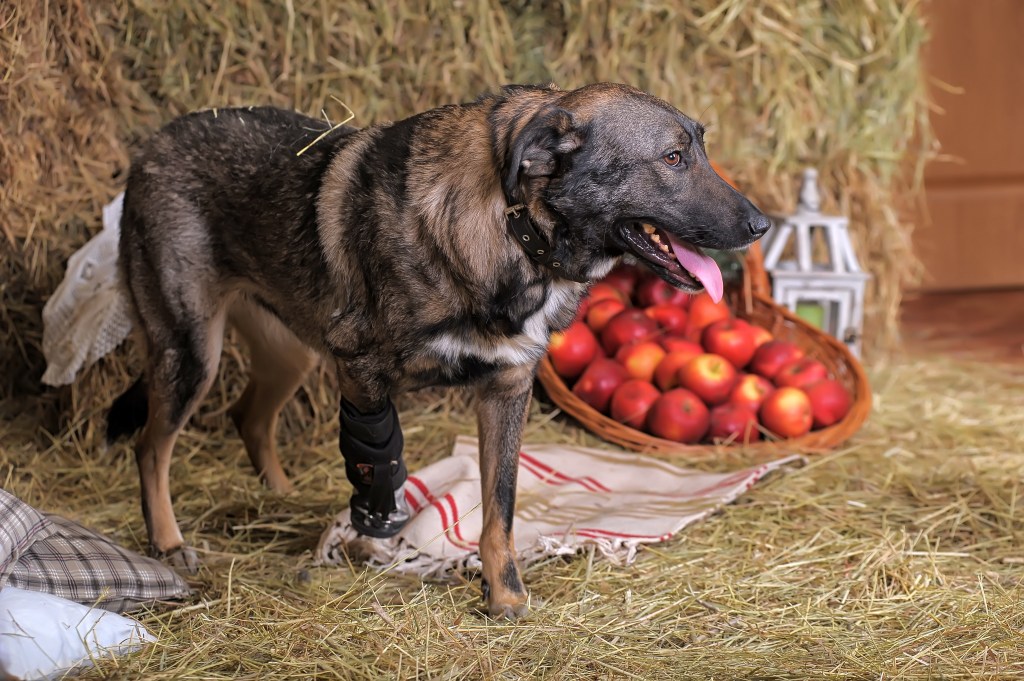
(972, 236)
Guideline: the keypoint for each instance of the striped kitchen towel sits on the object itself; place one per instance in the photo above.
(568, 498)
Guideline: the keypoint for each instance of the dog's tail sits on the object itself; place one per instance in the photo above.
(128, 413)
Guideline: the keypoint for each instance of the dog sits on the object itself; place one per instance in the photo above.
(439, 250)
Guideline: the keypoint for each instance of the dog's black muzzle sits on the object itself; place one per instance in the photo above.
(372, 447)
(758, 225)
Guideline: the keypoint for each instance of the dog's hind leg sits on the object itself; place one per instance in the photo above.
(181, 309)
(280, 362)
(182, 366)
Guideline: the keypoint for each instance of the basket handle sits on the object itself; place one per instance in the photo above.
(755, 278)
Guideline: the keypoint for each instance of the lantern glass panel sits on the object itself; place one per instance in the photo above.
(822, 314)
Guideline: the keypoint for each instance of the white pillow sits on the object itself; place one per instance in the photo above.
(43, 636)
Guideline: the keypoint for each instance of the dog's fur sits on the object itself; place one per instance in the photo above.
(386, 250)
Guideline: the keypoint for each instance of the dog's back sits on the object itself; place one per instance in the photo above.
(227, 191)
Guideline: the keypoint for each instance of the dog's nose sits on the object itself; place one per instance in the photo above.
(759, 225)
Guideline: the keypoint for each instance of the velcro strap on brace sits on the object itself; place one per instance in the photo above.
(372, 447)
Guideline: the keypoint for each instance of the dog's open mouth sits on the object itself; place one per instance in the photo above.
(679, 263)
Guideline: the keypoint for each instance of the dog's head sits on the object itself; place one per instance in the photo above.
(614, 170)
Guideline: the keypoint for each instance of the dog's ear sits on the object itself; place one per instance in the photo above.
(538, 149)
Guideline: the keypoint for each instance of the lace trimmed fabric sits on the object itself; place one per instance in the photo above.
(568, 498)
(89, 314)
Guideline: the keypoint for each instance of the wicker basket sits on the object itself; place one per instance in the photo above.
(749, 301)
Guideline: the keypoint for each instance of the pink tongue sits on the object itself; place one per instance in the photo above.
(703, 267)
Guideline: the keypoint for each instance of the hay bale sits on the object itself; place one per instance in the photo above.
(781, 84)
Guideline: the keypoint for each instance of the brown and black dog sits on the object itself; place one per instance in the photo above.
(439, 250)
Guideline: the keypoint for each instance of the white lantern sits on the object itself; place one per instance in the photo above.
(826, 291)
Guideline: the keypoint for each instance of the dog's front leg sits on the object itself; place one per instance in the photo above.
(503, 403)
(371, 443)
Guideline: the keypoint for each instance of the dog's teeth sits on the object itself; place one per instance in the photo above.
(664, 248)
(655, 238)
(649, 229)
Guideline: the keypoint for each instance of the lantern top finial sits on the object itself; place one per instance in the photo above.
(810, 197)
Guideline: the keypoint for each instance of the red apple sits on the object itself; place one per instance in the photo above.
(600, 291)
(801, 373)
(624, 278)
(627, 326)
(678, 415)
(771, 356)
(632, 400)
(674, 342)
(705, 311)
(641, 359)
(710, 377)
(730, 338)
(670, 317)
(734, 423)
(787, 413)
(750, 391)
(581, 311)
(602, 311)
(693, 333)
(572, 350)
(666, 374)
(653, 290)
(598, 381)
(830, 402)
(761, 335)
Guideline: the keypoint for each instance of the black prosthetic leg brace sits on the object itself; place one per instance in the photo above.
(372, 447)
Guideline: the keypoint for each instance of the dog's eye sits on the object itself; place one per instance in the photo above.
(673, 158)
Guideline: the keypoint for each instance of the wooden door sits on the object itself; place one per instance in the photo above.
(973, 234)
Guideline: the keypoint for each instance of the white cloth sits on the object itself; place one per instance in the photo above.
(567, 498)
(43, 636)
(89, 313)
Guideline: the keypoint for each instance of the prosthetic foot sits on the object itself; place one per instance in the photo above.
(372, 447)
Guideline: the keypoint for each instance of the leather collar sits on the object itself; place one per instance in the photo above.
(533, 242)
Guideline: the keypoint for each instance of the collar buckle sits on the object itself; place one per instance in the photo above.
(513, 211)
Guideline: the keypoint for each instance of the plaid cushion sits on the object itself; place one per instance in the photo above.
(20, 525)
(67, 560)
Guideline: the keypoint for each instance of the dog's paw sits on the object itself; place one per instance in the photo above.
(183, 559)
(509, 606)
(508, 611)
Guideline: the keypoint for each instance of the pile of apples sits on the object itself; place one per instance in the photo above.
(682, 368)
